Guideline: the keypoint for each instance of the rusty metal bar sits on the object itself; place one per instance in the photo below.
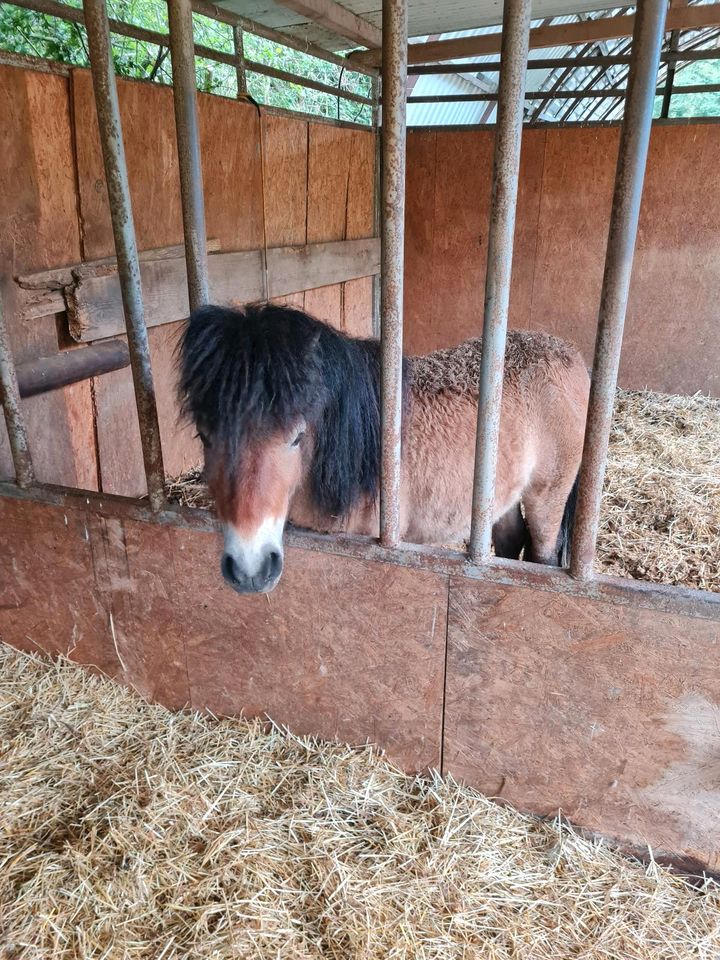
(393, 132)
(670, 78)
(113, 150)
(239, 47)
(553, 63)
(506, 169)
(632, 156)
(10, 401)
(182, 53)
(44, 374)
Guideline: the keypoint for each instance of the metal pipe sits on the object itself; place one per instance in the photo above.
(44, 374)
(188, 142)
(393, 131)
(670, 78)
(239, 46)
(632, 157)
(553, 63)
(14, 420)
(506, 170)
(113, 150)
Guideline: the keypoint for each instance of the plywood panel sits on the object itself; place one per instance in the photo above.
(230, 150)
(329, 152)
(326, 303)
(449, 184)
(39, 229)
(285, 173)
(608, 713)
(333, 668)
(358, 307)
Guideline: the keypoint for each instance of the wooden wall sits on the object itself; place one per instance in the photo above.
(269, 180)
(566, 183)
(606, 708)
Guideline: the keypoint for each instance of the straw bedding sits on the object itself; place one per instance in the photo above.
(130, 832)
(661, 508)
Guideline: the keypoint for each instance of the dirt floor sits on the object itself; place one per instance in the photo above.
(130, 832)
(661, 507)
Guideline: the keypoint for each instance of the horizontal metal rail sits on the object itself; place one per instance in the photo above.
(14, 420)
(128, 264)
(554, 63)
(608, 93)
(632, 158)
(501, 233)
(44, 374)
(75, 14)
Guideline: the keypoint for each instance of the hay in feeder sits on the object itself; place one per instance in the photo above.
(660, 517)
(130, 832)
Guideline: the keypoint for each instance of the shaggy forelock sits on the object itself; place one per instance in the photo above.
(245, 372)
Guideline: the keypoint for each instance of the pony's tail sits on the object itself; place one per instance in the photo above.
(566, 527)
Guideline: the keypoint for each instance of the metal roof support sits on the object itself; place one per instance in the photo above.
(182, 52)
(393, 133)
(632, 157)
(506, 169)
(670, 79)
(10, 400)
(239, 50)
(113, 150)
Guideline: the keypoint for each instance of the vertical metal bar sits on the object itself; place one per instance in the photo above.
(239, 45)
(10, 401)
(182, 51)
(394, 120)
(632, 156)
(113, 150)
(670, 77)
(377, 191)
(506, 170)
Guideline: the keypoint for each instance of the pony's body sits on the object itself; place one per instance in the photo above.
(316, 376)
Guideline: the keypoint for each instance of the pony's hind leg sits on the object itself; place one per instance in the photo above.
(509, 534)
(544, 509)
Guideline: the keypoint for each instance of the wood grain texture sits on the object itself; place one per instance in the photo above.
(39, 229)
(285, 172)
(608, 713)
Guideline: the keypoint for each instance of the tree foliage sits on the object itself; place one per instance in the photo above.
(38, 35)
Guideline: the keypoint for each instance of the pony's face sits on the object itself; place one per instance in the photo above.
(252, 502)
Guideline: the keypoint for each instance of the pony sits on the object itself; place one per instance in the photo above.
(288, 411)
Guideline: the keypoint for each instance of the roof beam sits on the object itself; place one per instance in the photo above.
(338, 20)
(556, 35)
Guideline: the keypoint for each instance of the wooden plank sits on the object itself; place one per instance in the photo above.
(605, 712)
(338, 20)
(326, 303)
(95, 305)
(285, 171)
(558, 35)
(39, 229)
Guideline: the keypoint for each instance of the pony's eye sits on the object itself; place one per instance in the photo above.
(203, 439)
(296, 442)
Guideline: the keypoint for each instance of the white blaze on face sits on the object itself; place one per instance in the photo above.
(249, 553)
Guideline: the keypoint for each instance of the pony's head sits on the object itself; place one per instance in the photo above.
(279, 400)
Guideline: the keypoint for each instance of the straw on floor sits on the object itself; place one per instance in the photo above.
(661, 507)
(130, 832)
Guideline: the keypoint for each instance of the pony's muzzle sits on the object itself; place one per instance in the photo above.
(261, 580)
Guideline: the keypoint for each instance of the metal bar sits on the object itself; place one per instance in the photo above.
(14, 420)
(606, 94)
(239, 45)
(113, 150)
(670, 78)
(377, 202)
(493, 66)
(44, 374)
(393, 131)
(632, 156)
(188, 143)
(506, 169)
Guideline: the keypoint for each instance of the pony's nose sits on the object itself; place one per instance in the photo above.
(271, 567)
(264, 578)
(231, 571)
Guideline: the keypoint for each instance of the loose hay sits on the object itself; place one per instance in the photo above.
(130, 832)
(660, 516)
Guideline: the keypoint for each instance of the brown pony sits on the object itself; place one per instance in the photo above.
(288, 411)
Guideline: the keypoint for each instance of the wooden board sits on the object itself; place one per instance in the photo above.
(179, 634)
(39, 229)
(285, 172)
(608, 713)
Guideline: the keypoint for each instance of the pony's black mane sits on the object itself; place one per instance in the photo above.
(263, 368)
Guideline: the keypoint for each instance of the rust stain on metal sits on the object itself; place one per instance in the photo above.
(394, 84)
(113, 150)
(506, 169)
(632, 157)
